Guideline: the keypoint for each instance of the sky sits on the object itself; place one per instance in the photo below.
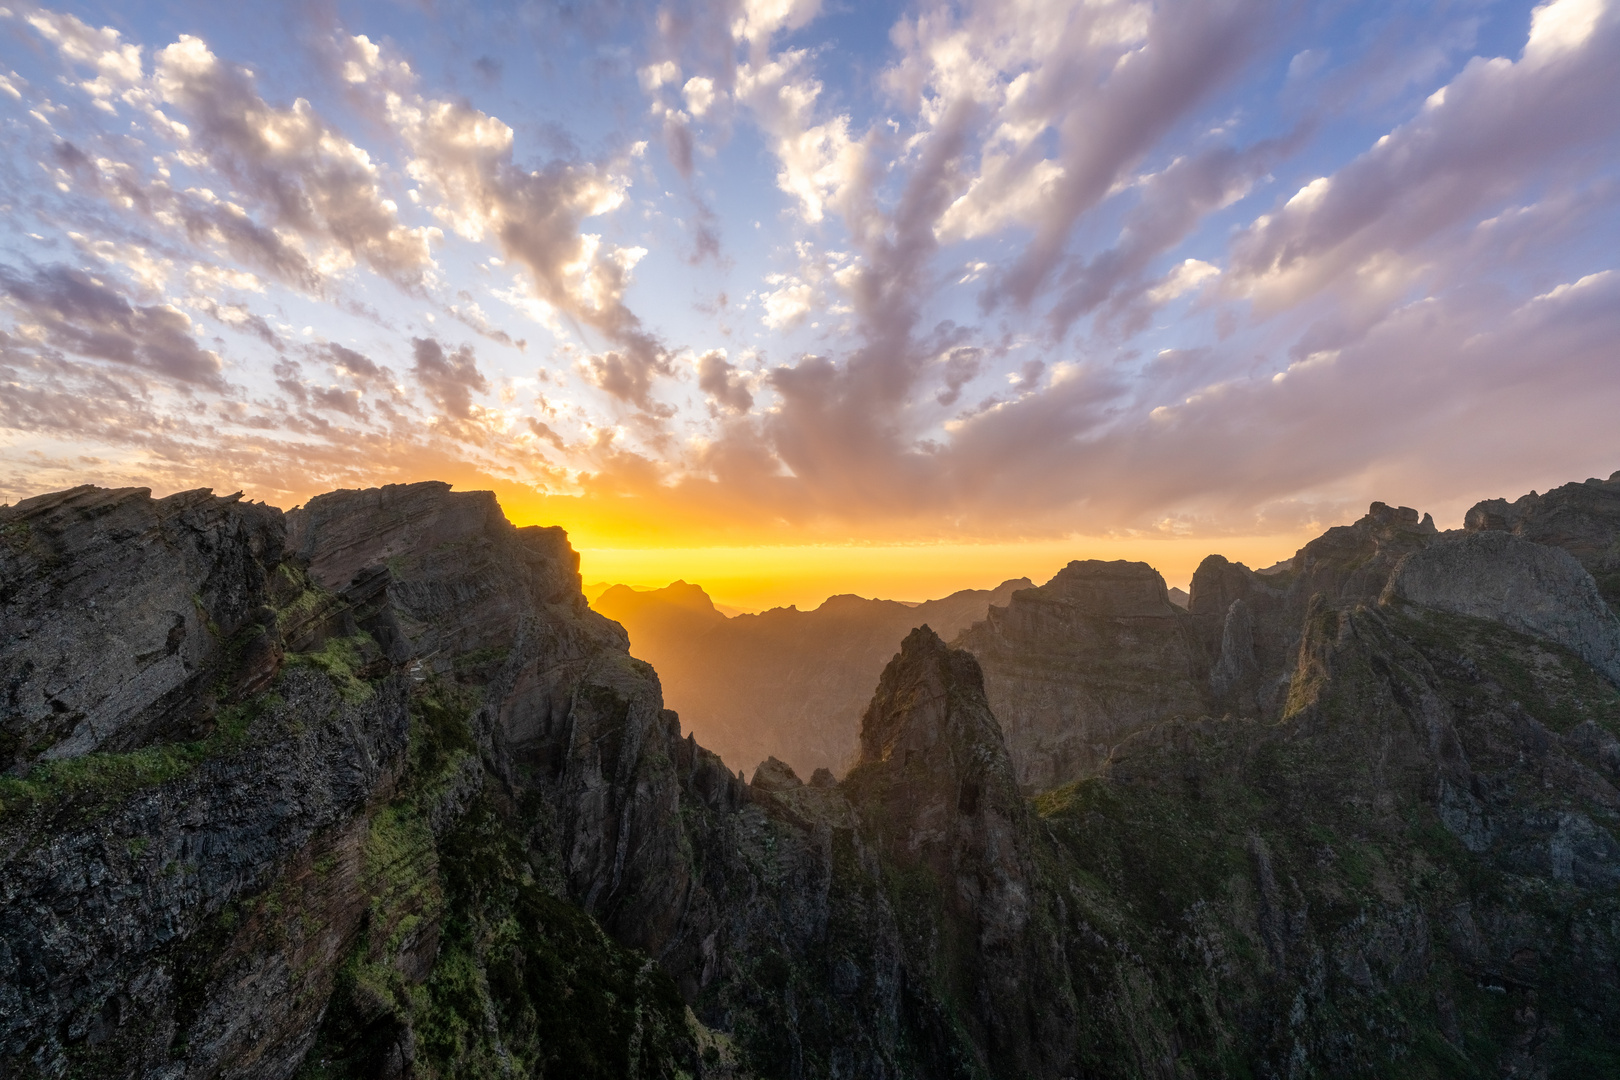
(797, 297)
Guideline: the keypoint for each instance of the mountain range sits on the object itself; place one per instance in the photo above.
(785, 683)
(367, 789)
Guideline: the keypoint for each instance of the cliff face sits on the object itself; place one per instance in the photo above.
(409, 808)
(1582, 519)
(1100, 652)
(398, 804)
(785, 683)
(1076, 665)
(116, 609)
(936, 790)
(364, 778)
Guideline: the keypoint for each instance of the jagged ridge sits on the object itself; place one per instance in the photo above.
(379, 820)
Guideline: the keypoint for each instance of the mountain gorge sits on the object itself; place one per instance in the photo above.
(785, 683)
(366, 789)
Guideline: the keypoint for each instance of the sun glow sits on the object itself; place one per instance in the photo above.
(756, 578)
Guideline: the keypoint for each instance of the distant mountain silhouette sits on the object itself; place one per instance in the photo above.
(784, 682)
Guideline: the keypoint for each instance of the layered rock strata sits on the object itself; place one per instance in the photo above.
(1074, 666)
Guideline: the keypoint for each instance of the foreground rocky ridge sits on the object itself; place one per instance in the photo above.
(405, 806)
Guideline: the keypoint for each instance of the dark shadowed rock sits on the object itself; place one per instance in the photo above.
(936, 784)
(1531, 588)
(774, 775)
(421, 814)
(115, 607)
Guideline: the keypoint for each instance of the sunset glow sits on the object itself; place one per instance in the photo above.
(753, 579)
(798, 298)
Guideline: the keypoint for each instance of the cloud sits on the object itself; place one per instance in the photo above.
(465, 158)
(117, 63)
(357, 366)
(239, 318)
(760, 20)
(962, 366)
(622, 376)
(149, 274)
(1171, 204)
(1183, 278)
(1430, 310)
(449, 379)
(88, 316)
(787, 304)
(544, 432)
(305, 174)
(1103, 82)
(699, 94)
(724, 384)
(1495, 129)
(339, 399)
(817, 162)
(214, 224)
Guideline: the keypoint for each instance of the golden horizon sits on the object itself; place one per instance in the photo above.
(755, 578)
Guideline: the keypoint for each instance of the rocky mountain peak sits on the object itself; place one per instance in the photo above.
(1073, 665)
(431, 818)
(1117, 588)
(1532, 588)
(930, 695)
(775, 775)
(782, 682)
(936, 785)
(1351, 564)
(342, 533)
(623, 603)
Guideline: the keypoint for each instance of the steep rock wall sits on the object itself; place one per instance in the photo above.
(1074, 666)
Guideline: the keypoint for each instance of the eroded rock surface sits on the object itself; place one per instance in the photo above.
(936, 786)
(116, 607)
(418, 813)
(1582, 519)
(1529, 587)
(1074, 666)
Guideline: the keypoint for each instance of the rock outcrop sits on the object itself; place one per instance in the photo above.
(1537, 590)
(118, 610)
(937, 790)
(260, 851)
(1582, 519)
(1074, 666)
(148, 919)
